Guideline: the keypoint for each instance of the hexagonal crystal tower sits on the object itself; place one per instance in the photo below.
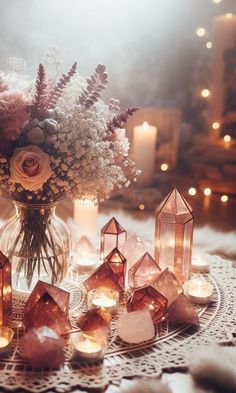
(113, 235)
(174, 232)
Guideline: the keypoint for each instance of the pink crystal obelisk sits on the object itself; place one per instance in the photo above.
(174, 232)
(5, 290)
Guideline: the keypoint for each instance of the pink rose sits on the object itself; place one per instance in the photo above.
(30, 166)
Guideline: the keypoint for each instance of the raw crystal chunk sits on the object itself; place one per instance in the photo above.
(47, 306)
(182, 311)
(103, 276)
(5, 290)
(117, 263)
(167, 284)
(149, 299)
(174, 232)
(113, 235)
(143, 272)
(135, 327)
(43, 348)
(97, 319)
(133, 249)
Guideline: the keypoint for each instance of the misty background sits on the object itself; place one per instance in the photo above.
(150, 47)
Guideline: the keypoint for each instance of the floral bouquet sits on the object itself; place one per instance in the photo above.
(57, 139)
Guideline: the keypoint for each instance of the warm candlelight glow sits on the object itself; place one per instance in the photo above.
(215, 125)
(229, 15)
(207, 191)
(208, 44)
(145, 126)
(141, 206)
(205, 93)
(85, 215)
(192, 191)
(227, 138)
(198, 290)
(104, 301)
(200, 32)
(88, 346)
(217, 1)
(224, 198)
(3, 342)
(164, 167)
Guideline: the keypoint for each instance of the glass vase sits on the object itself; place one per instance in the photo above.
(37, 242)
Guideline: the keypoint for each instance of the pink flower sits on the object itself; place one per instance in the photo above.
(30, 166)
(13, 113)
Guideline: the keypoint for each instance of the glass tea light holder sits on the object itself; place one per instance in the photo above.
(6, 336)
(200, 263)
(104, 297)
(113, 235)
(89, 348)
(198, 290)
(86, 257)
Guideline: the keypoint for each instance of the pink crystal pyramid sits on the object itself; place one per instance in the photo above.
(148, 298)
(47, 306)
(117, 263)
(97, 319)
(167, 284)
(85, 247)
(182, 311)
(143, 272)
(174, 232)
(103, 276)
(113, 235)
(5, 290)
(43, 348)
(133, 249)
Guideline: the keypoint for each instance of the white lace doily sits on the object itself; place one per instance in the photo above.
(171, 347)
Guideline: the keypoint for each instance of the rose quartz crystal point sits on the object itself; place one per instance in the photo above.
(133, 249)
(5, 290)
(103, 276)
(167, 284)
(117, 263)
(143, 272)
(95, 319)
(173, 237)
(113, 235)
(43, 348)
(148, 299)
(47, 306)
(135, 327)
(182, 311)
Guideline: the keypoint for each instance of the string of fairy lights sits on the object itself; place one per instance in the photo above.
(205, 93)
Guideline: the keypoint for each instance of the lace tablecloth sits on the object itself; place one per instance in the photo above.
(171, 347)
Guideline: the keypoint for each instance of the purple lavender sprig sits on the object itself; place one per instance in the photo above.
(119, 120)
(41, 94)
(96, 83)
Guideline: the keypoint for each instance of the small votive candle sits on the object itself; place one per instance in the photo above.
(86, 257)
(104, 297)
(6, 336)
(200, 264)
(88, 348)
(198, 290)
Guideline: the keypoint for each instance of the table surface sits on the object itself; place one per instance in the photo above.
(212, 216)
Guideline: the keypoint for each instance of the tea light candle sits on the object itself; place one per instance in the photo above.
(144, 145)
(6, 336)
(199, 291)
(86, 256)
(85, 215)
(88, 349)
(106, 298)
(200, 264)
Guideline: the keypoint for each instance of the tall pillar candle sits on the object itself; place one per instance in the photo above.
(224, 38)
(144, 144)
(85, 215)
